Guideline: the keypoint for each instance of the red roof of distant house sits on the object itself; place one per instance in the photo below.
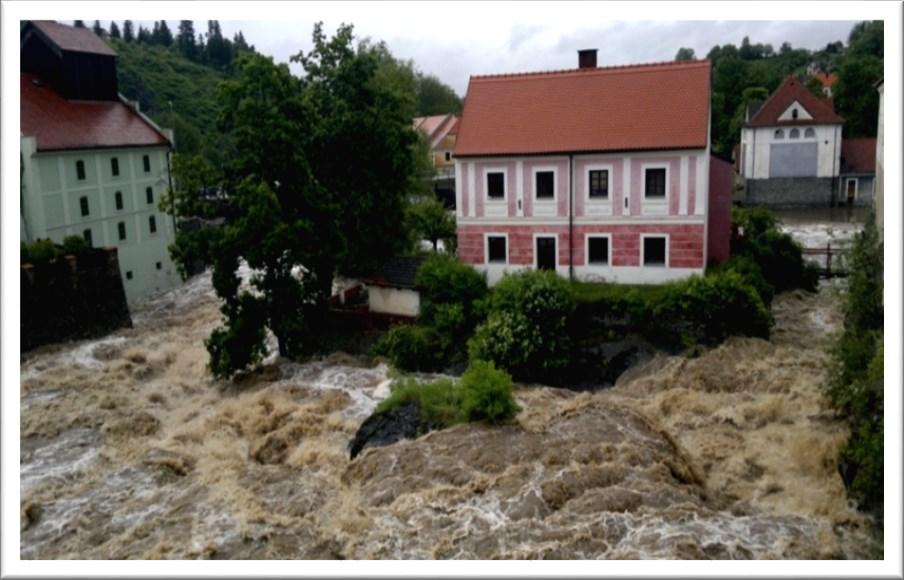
(72, 38)
(638, 107)
(791, 90)
(858, 155)
(60, 124)
(827, 80)
(436, 127)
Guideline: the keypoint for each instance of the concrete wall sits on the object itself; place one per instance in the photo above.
(51, 208)
(756, 149)
(790, 192)
(398, 301)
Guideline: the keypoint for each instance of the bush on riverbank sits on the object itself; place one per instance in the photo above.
(526, 329)
(484, 393)
(856, 384)
(451, 295)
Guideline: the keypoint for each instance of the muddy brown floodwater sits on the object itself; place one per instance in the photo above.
(130, 450)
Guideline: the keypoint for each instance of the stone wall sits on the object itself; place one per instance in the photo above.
(72, 298)
(789, 192)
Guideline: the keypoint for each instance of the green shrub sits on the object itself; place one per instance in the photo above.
(75, 245)
(450, 293)
(240, 342)
(487, 394)
(750, 272)
(526, 329)
(440, 402)
(41, 251)
(412, 348)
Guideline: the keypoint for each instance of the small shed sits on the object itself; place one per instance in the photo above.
(391, 288)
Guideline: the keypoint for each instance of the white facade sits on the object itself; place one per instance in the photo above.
(75, 192)
(398, 301)
(757, 146)
(880, 164)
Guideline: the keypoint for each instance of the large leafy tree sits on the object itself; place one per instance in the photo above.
(319, 174)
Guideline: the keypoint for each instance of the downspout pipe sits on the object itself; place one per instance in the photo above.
(570, 216)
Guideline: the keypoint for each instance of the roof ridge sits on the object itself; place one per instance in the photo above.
(610, 68)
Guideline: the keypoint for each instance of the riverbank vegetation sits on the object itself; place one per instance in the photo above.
(856, 385)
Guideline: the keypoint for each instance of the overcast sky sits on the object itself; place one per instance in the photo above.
(454, 44)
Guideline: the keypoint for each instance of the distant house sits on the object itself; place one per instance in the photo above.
(880, 163)
(827, 80)
(441, 131)
(92, 164)
(790, 152)
(858, 171)
(596, 173)
(391, 289)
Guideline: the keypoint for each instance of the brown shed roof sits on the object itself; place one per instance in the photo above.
(72, 38)
(58, 123)
(822, 110)
(858, 155)
(637, 107)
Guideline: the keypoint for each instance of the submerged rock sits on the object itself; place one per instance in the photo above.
(381, 429)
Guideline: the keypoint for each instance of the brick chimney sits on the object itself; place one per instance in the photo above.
(587, 58)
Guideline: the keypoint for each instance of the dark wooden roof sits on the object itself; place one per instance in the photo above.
(396, 272)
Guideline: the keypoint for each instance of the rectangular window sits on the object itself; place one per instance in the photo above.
(159, 265)
(122, 230)
(597, 250)
(80, 170)
(496, 249)
(83, 204)
(152, 224)
(545, 184)
(149, 193)
(88, 238)
(496, 185)
(448, 156)
(654, 251)
(147, 163)
(114, 166)
(128, 274)
(118, 198)
(599, 184)
(655, 183)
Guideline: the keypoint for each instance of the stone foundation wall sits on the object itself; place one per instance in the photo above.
(789, 192)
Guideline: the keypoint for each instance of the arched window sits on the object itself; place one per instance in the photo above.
(795, 134)
(779, 134)
(793, 113)
(810, 132)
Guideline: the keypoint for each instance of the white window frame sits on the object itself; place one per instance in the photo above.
(486, 248)
(778, 134)
(587, 262)
(658, 203)
(555, 184)
(486, 185)
(643, 262)
(534, 249)
(598, 201)
(792, 135)
(856, 181)
(810, 130)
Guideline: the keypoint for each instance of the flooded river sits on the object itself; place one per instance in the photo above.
(130, 450)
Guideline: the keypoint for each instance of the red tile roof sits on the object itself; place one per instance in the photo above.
(61, 124)
(858, 155)
(72, 38)
(827, 80)
(638, 107)
(822, 110)
(435, 127)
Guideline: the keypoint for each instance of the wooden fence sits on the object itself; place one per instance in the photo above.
(823, 256)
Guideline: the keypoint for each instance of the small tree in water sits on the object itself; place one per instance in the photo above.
(319, 173)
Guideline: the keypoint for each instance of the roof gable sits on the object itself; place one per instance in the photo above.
(780, 102)
(639, 107)
(795, 112)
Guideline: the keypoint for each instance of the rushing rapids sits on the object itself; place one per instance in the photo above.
(130, 449)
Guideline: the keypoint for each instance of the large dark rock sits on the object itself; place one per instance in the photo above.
(381, 429)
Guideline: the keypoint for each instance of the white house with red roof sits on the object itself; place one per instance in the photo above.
(598, 173)
(790, 150)
(92, 164)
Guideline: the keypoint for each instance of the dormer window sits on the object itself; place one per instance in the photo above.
(794, 113)
(779, 134)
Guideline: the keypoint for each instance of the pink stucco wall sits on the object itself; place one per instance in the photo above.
(685, 242)
(674, 173)
(719, 212)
